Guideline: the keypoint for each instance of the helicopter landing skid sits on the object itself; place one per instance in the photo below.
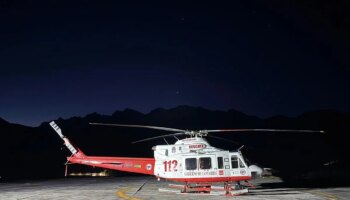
(205, 189)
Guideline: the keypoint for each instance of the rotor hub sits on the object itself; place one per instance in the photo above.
(200, 133)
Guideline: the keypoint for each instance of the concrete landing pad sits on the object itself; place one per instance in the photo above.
(147, 188)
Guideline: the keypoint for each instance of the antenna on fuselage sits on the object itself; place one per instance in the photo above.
(166, 141)
(241, 147)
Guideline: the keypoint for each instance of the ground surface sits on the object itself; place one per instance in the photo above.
(147, 188)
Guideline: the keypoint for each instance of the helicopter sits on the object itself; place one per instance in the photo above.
(192, 160)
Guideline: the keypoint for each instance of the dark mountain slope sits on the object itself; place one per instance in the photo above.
(35, 152)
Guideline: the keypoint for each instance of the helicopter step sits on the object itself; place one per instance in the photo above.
(208, 189)
(211, 193)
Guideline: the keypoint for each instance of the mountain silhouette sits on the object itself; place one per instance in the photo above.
(35, 152)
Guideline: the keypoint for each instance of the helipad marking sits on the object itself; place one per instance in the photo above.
(325, 194)
(121, 193)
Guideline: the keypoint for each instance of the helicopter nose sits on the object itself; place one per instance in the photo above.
(255, 170)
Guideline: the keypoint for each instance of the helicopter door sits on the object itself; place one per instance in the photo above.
(220, 167)
(199, 166)
(237, 166)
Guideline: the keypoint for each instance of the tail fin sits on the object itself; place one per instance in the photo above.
(66, 141)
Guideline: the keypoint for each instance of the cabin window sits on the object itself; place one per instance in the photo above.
(205, 163)
(191, 163)
(166, 152)
(234, 162)
(220, 163)
(241, 164)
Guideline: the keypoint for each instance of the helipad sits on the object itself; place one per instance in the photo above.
(148, 188)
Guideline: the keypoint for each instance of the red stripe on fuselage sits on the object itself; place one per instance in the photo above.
(127, 164)
(212, 179)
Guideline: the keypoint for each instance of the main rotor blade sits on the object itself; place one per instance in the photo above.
(264, 130)
(226, 140)
(161, 136)
(140, 126)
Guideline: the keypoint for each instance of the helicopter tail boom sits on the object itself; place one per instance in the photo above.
(127, 164)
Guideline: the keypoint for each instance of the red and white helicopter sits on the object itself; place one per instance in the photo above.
(192, 160)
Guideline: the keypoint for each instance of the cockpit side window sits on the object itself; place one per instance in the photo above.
(241, 164)
(234, 162)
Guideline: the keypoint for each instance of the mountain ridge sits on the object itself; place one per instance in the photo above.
(30, 145)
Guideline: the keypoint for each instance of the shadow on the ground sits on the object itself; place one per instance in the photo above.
(306, 184)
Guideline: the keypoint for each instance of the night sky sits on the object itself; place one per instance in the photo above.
(264, 58)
